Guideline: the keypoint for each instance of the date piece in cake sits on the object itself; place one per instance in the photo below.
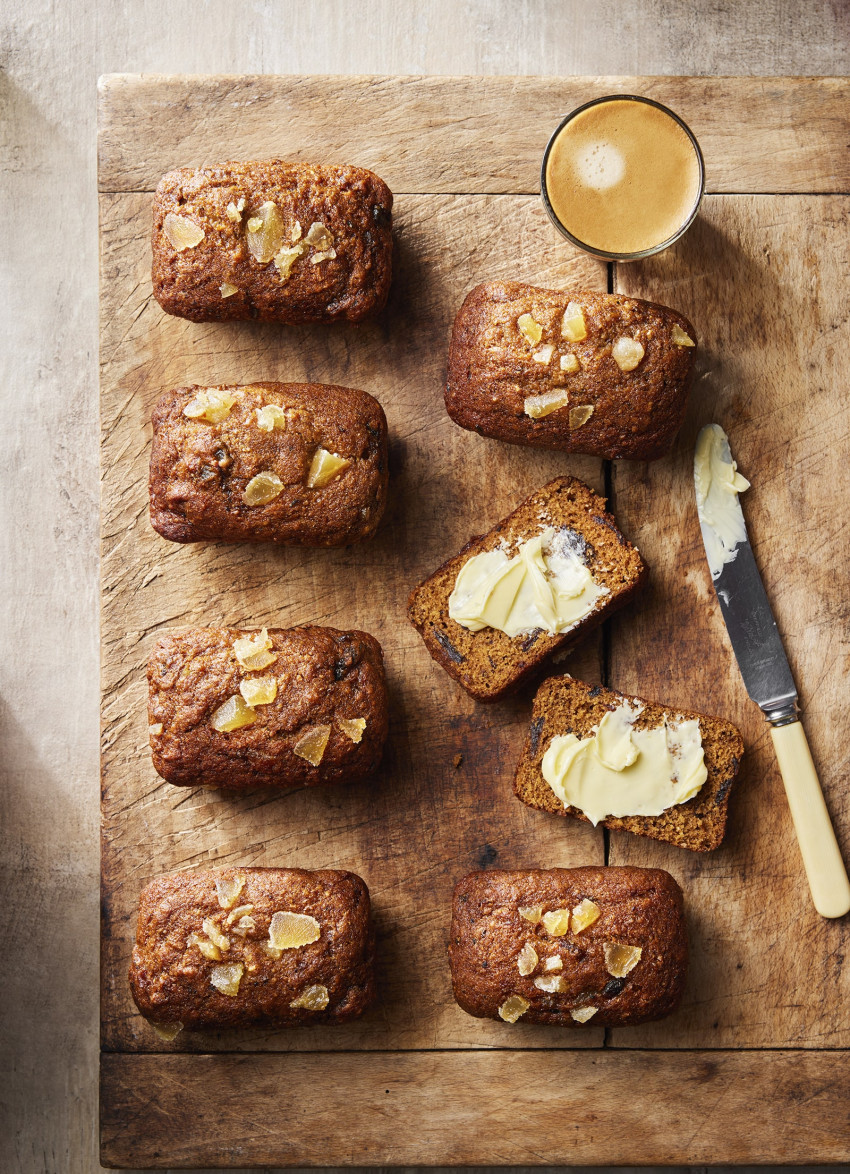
(243, 947)
(300, 464)
(274, 241)
(545, 576)
(582, 372)
(569, 946)
(587, 744)
(287, 707)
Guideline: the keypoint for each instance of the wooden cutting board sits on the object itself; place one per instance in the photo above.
(754, 1067)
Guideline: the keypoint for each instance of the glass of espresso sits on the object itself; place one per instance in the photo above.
(622, 177)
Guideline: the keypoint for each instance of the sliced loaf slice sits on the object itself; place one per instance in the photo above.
(488, 663)
(566, 706)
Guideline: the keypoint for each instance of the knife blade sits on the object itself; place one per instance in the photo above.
(763, 663)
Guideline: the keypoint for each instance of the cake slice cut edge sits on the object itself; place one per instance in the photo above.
(488, 664)
(563, 705)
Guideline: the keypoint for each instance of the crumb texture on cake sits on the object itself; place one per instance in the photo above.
(205, 955)
(568, 946)
(488, 663)
(321, 680)
(205, 464)
(513, 342)
(564, 705)
(281, 242)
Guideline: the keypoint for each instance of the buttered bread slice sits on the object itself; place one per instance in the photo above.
(541, 579)
(623, 762)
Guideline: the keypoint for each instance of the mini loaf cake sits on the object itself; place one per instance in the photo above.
(239, 947)
(295, 707)
(569, 946)
(583, 372)
(546, 575)
(281, 242)
(600, 756)
(302, 464)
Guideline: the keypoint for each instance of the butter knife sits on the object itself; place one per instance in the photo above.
(763, 663)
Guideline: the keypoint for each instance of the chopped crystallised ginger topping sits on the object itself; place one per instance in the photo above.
(208, 949)
(236, 913)
(285, 259)
(538, 406)
(620, 960)
(227, 890)
(259, 690)
(570, 363)
(311, 745)
(252, 652)
(318, 236)
(573, 326)
(513, 1008)
(262, 489)
(552, 984)
(324, 467)
(181, 232)
(271, 416)
(227, 290)
(557, 923)
(580, 415)
(529, 328)
(265, 232)
(288, 931)
(212, 405)
(226, 979)
(584, 915)
(241, 927)
(315, 998)
(155, 729)
(627, 353)
(214, 934)
(166, 1031)
(582, 1014)
(554, 963)
(544, 354)
(527, 959)
(352, 727)
(232, 715)
(531, 913)
(234, 211)
(679, 337)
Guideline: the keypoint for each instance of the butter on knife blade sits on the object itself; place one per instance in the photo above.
(718, 483)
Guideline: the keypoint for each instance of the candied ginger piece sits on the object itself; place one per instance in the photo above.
(312, 743)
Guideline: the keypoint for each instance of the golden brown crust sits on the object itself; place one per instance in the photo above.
(638, 907)
(352, 203)
(170, 979)
(323, 675)
(563, 705)
(489, 664)
(491, 371)
(199, 470)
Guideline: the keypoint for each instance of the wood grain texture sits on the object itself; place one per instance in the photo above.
(541, 1108)
(462, 135)
(51, 56)
(422, 822)
(764, 281)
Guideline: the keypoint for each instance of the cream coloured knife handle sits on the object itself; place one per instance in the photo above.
(821, 856)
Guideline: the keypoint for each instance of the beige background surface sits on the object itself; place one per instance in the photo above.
(52, 54)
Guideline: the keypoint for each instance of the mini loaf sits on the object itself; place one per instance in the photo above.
(565, 706)
(489, 662)
(301, 464)
(569, 946)
(281, 242)
(239, 947)
(295, 707)
(582, 372)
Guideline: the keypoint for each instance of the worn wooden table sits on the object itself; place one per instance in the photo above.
(762, 275)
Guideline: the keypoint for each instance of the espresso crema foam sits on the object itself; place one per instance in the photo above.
(622, 177)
